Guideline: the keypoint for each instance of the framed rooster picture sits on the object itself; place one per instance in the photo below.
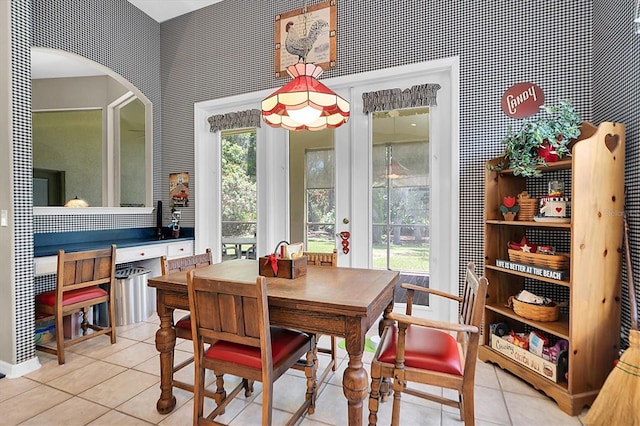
(306, 36)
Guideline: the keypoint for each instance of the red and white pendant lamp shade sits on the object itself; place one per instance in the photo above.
(305, 103)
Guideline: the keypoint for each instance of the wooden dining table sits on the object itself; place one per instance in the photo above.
(344, 302)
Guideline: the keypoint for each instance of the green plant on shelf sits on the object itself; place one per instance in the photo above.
(540, 141)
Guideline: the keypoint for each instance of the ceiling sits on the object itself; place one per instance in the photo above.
(50, 65)
(163, 10)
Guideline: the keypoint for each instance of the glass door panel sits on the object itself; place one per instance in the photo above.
(239, 196)
(400, 190)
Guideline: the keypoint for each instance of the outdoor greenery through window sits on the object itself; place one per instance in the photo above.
(400, 191)
(320, 200)
(239, 198)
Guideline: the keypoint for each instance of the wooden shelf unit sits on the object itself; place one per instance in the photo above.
(592, 325)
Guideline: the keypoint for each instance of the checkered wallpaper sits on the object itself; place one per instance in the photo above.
(113, 33)
(569, 49)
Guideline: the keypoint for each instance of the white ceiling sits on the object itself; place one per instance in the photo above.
(163, 10)
(50, 65)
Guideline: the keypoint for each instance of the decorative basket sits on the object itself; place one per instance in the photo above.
(544, 313)
(528, 206)
(558, 261)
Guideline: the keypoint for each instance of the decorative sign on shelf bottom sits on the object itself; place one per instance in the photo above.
(530, 269)
(523, 357)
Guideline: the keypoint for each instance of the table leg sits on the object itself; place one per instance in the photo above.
(165, 342)
(355, 381)
(386, 386)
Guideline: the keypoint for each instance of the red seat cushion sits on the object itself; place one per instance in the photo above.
(71, 297)
(184, 322)
(283, 343)
(425, 348)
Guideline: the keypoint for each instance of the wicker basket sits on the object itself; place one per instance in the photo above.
(544, 313)
(528, 207)
(557, 262)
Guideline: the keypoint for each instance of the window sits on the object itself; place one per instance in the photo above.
(239, 196)
(320, 204)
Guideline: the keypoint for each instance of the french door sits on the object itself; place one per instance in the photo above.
(420, 207)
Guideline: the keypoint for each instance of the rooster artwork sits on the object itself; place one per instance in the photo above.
(300, 46)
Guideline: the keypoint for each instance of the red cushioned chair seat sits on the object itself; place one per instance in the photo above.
(184, 322)
(283, 342)
(71, 297)
(425, 348)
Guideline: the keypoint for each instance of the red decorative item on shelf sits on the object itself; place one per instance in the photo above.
(523, 246)
(547, 152)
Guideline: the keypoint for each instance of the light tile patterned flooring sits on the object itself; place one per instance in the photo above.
(103, 384)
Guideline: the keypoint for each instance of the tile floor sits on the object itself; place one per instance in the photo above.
(103, 384)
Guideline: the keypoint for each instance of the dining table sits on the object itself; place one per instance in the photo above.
(341, 301)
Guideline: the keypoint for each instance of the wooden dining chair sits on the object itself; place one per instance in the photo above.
(84, 279)
(235, 317)
(325, 259)
(183, 325)
(419, 350)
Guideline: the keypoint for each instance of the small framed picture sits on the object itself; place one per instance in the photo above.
(306, 37)
(179, 189)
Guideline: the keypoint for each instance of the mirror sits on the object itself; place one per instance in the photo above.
(92, 134)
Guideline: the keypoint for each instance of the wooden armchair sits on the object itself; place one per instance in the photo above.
(235, 317)
(183, 325)
(325, 259)
(79, 279)
(423, 351)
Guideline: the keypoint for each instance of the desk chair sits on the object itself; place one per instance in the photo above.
(325, 259)
(235, 317)
(423, 351)
(183, 325)
(79, 279)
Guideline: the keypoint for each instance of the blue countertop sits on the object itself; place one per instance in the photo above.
(48, 243)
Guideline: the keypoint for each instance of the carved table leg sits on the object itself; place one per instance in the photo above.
(355, 381)
(165, 342)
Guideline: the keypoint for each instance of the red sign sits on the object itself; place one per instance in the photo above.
(522, 100)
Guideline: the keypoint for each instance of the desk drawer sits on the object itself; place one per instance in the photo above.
(184, 248)
(133, 254)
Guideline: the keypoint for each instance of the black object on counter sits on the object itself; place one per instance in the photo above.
(159, 220)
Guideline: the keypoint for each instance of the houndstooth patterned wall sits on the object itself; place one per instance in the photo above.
(113, 33)
(617, 53)
(567, 48)
(22, 178)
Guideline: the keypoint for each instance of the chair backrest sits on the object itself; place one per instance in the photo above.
(471, 313)
(230, 311)
(186, 263)
(322, 259)
(85, 269)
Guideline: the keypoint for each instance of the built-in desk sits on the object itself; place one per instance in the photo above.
(132, 245)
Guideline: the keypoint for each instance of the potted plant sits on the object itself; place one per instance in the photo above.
(540, 141)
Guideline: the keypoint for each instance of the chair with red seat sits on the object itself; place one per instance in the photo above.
(183, 325)
(235, 317)
(84, 279)
(423, 351)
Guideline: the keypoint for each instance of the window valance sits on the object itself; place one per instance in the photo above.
(389, 99)
(235, 120)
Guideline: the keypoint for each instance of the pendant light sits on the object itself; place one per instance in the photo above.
(305, 103)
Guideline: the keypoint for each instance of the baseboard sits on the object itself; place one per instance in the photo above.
(12, 371)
